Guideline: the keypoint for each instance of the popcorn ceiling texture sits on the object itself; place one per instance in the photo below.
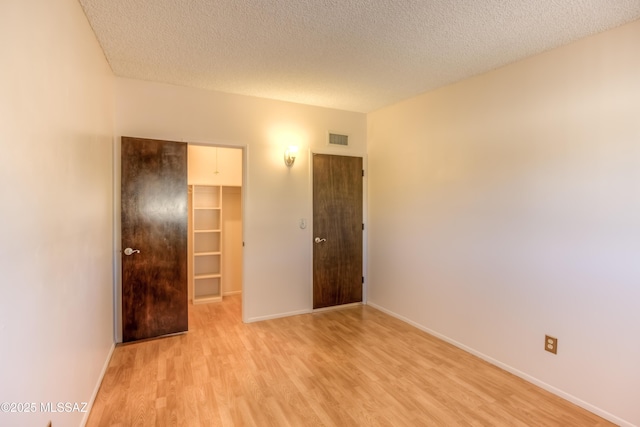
(357, 55)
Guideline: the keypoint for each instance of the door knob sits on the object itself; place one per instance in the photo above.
(130, 251)
(319, 240)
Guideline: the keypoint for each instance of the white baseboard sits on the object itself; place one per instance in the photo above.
(337, 307)
(229, 293)
(277, 316)
(97, 387)
(295, 313)
(591, 408)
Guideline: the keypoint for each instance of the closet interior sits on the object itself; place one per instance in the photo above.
(215, 223)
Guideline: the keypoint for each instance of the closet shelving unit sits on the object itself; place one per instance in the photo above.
(207, 243)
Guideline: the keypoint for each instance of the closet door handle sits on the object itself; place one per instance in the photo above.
(130, 251)
(319, 240)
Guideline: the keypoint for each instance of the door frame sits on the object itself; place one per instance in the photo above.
(340, 151)
(117, 225)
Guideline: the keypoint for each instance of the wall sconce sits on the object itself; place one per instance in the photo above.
(290, 155)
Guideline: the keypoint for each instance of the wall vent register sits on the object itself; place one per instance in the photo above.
(337, 139)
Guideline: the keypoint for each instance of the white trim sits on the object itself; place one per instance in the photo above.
(299, 312)
(277, 316)
(229, 293)
(310, 223)
(244, 199)
(117, 240)
(365, 232)
(337, 307)
(585, 405)
(85, 418)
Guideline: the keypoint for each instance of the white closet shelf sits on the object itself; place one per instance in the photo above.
(207, 238)
(206, 276)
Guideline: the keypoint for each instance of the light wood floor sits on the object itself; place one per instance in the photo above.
(350, 367)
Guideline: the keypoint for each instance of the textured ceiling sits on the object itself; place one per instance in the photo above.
(356, 55)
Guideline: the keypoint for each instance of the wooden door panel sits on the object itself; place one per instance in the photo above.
(154, 221)
(337, 217)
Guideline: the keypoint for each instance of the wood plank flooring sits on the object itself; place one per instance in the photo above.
(350, 367)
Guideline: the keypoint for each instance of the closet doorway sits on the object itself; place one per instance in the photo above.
(215, 254)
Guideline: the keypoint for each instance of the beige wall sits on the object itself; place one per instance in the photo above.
(56, 247)
(277, 253)
(507, 207)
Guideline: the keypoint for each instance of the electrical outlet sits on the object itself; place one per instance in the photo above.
(551, 344)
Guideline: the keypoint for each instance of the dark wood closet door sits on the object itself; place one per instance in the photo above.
(337, 230)
(154, 222)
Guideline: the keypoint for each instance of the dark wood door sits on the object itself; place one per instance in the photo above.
(154, 222)
(337, 230)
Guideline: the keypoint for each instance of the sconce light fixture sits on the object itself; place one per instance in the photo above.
(290, 155)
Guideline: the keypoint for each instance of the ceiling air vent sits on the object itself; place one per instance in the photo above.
(337, 139)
